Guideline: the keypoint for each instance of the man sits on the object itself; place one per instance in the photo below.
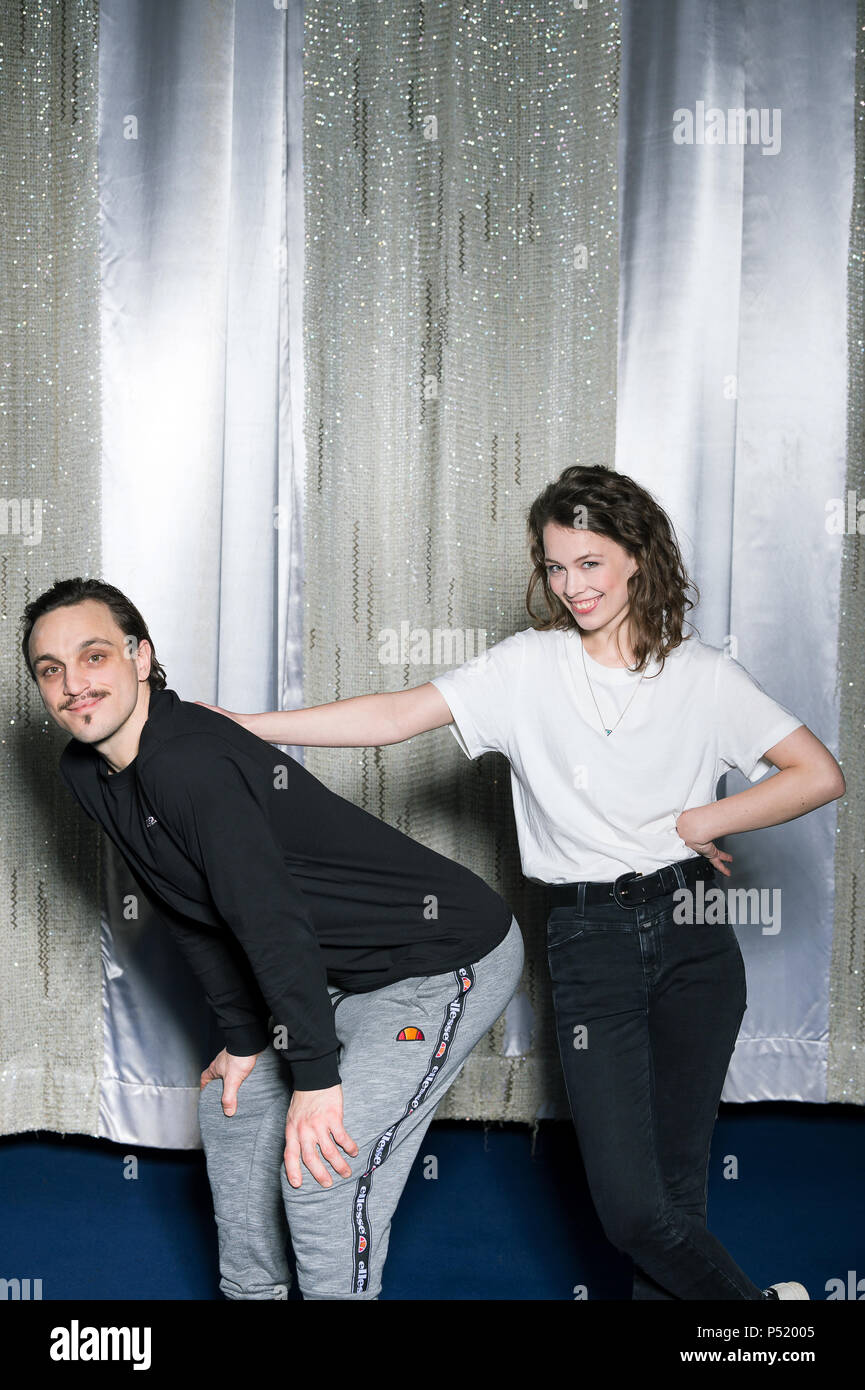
(378, 963)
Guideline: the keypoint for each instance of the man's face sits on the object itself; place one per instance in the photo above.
(87, 671)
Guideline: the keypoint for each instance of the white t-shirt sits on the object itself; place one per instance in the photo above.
(589, 806)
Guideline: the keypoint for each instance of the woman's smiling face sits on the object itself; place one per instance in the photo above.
(589, 574)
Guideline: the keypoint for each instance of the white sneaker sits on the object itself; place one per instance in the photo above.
(789, 1290)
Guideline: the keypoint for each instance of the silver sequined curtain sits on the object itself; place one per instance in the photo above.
(50, 961)
(846, 1057)
(460, 322)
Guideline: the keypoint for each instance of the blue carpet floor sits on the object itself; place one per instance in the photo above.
(498, 1221)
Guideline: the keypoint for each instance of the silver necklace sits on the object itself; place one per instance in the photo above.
(592, 693)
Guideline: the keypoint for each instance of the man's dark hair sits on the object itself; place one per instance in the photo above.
(66, 592)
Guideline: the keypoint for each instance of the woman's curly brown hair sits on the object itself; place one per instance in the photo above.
(611, 504)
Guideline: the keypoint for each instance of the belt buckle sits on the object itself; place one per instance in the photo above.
(624, 878)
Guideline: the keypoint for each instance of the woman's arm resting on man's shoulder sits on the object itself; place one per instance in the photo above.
(809, 776)
(362, 721)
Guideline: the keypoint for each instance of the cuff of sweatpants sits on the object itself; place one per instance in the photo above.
(316, 1074)
(243, 1039)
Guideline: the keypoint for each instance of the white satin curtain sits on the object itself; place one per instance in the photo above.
(732, 409)
(733, 266)
(202, 379)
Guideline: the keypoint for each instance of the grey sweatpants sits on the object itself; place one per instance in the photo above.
(400, 1048)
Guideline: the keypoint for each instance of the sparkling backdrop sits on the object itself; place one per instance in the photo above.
(460, 322)
(50, 960)
(846, 1058)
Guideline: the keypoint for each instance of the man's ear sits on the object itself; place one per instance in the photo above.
(139, 652)
(145, 659)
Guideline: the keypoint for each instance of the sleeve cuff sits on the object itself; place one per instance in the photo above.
(245, 1038)
(316, 1074)
(460, 720)
(759, 765)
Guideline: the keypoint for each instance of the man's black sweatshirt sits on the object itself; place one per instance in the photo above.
(238, 844)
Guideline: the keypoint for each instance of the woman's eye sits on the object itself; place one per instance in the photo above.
(593, 564)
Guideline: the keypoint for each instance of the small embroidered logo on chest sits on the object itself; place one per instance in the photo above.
(150, 822)
(410, 1035)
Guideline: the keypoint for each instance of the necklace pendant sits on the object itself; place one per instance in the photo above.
(608, 732)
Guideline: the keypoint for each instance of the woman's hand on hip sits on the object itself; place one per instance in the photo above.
(690, 830)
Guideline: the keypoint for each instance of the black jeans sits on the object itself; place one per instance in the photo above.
(647, 1012)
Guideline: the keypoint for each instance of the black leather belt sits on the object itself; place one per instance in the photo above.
(632, 888)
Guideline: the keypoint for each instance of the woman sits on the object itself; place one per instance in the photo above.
(617, 728)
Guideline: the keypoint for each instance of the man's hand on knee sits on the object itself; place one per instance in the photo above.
(314, 1125)
(233, 1071)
